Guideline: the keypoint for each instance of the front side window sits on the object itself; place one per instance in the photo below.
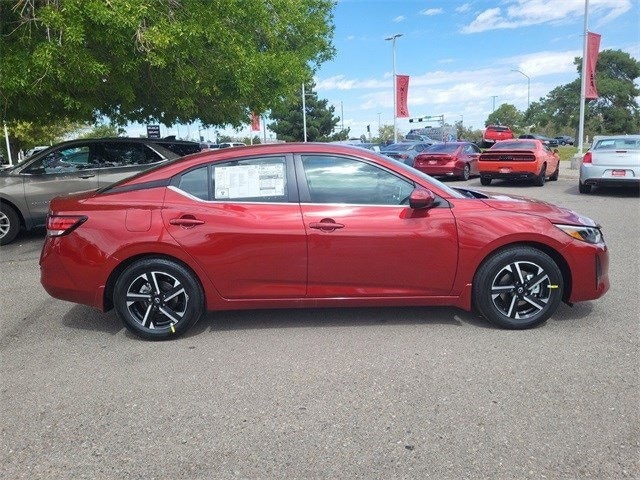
(64, 160)
(344, 180)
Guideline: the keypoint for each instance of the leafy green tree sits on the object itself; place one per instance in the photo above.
(615, 111)
(288, 122)
(103, 130)
(170, 61)
(505, 114)
(465, 133)
(385, 134)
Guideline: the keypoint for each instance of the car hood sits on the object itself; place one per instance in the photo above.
(553, 213)
(516, 203)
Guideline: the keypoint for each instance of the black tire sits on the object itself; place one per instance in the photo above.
(158, 299)
(518, 287)
(485, 180)
(9, 224)
(584, 188)
(556, 174)
(466, 172)
(540, 179)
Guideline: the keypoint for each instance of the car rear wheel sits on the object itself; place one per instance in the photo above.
(9, 224)
(466, 172)
(584, 188)
(485, 180)
(555, 175)
(517, 288)
(158, 299)
(540, 179)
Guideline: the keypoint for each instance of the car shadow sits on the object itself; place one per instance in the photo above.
(616, 192)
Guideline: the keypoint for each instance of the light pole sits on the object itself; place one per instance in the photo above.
(528, 86)
(304, 114)
(393, 47)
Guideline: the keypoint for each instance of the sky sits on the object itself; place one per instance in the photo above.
(462, 56)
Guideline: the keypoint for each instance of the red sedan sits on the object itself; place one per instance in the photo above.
(312, 225)
(452, 159)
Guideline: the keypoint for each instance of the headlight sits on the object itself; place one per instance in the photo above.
(582, 233)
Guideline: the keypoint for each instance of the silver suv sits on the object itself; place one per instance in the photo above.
(27, 188)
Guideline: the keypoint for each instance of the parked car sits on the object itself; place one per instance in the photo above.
(209, 146)
(415, 137)
(550, 142)
(27, 188)
(526, 159)
(612, 161)
(495, 133)
(451, 159)
(303, 225)
(231, 144)
(405, 151)
(181, 147)
(565, 140)
(34, 150)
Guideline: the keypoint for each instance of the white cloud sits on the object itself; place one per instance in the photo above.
(399, 18)
(523, 13)
(429, 12)
(463, 8)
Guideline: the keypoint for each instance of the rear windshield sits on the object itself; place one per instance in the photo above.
(506, 145)
(498, 129)
(618, 144)
(398, 147)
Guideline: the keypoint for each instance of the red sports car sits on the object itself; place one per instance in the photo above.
(451, 159)
(522, 159)
(312, 225)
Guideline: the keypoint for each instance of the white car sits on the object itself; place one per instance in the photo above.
(612, 161)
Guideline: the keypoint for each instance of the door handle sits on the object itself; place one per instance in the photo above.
(186, 222)
(87, 175)
(326, 225)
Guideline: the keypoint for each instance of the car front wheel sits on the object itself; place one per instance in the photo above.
(519, 287)
(158, 299)
(9, 224)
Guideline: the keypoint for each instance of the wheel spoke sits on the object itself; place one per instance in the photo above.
(539, 303)
(535, 281)
(500, 289)
(515, 269)
(512, 312)
(147, 314)
(178, 289)
(173, 316)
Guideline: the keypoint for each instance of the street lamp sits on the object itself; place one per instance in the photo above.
(393, 43)
(528, 86)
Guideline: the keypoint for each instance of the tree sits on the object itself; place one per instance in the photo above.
(288, 122)
(614, 112)
(505, 114)
(468, 134)
(171, 61)
(385, 134)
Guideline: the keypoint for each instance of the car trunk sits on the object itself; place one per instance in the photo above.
(620, 158)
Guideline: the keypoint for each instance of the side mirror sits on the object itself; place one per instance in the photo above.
(421, 198)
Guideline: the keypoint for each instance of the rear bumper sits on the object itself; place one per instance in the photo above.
(609, 175)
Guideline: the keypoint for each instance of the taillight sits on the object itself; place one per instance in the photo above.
(58, 225)
(586, 158)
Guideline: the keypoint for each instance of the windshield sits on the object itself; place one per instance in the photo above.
(398, 147)
(443, 148)
(618, 144)
(506, 145)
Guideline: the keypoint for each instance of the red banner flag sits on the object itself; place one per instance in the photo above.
(402, 93)
(593, 48)
(255, 123)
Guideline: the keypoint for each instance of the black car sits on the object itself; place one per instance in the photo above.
(548, 141)
(565, 140)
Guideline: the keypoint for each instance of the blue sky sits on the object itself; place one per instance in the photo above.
(459, 54)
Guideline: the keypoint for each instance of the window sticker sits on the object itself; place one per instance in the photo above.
(247, 181)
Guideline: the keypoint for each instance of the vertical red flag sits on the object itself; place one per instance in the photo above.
(255, 122)
(593, 48)
(402, 93)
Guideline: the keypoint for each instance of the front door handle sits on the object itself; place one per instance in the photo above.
(87, 175)
(326, 225)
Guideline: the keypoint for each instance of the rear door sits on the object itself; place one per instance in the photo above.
(364, 240)
(241, 221)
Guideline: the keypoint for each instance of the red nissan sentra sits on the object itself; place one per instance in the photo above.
(312, 225)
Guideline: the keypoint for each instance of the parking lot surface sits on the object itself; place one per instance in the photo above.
(333, 393)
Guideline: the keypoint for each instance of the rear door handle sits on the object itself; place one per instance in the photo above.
(186, 222)
(87, 175)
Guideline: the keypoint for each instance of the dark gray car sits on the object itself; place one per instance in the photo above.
(76, 165)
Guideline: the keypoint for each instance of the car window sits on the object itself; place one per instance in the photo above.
(196, 183)
(122, 154)
(64, 160)
(344, 180)
(251, 180)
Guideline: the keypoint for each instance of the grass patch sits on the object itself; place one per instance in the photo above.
(567, 152)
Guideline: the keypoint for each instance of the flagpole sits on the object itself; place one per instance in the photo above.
(583, 82)
(395, 86)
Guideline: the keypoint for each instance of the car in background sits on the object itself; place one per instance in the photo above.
(521, 159)
(550, 142)
(209, 146)
(27, 188)
(495, 133)
(450, 159)
(231, 144)
(180, 147)
(612, 161)
(415, 137)
(565, 140)
(405, 151)
(270, 226)
(35, 150)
